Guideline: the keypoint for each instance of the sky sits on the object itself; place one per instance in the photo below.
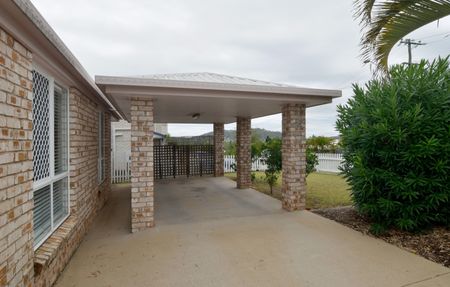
(306, 43)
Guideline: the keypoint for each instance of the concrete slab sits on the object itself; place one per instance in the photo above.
(210, 234)
(190, 200)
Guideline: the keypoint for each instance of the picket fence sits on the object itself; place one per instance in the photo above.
(120, 171)
(328, 162)
(229, 161)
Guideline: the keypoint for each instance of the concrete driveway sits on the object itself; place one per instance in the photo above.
(210, 234)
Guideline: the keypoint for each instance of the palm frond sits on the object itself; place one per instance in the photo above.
(363, 10)
(391, 20)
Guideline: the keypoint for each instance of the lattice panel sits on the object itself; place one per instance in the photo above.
(41, 126)
(201, 159)
(172, 161)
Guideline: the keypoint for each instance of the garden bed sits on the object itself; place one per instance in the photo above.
(433, 244)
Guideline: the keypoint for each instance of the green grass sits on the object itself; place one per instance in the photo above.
(324, 190)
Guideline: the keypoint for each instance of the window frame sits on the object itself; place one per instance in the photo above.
(52, 178)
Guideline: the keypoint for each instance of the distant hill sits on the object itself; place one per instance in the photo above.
(230, 135)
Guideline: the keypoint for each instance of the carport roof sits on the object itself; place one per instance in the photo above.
(211, 78)
(215, 97)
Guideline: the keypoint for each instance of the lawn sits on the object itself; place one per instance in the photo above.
(325, 190)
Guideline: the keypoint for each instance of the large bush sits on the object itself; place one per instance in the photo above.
(395, 134)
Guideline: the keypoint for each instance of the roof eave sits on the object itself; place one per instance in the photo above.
(196, 85)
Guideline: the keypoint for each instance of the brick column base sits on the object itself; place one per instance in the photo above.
(293, 190)
(243, 152)
(219, 135)
(142, 208)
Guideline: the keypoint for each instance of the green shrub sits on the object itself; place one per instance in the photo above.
(253, 177)
(395, 135)
(311, 161)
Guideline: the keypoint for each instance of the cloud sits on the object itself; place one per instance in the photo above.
(306, 43)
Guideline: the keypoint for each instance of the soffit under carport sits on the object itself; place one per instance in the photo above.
(215, 97)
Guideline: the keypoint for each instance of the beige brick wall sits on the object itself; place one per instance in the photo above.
(16, 231)
(243, 152)
(87, 196)
(142, 209)
(19, 264)
(219, 134)
(84, 187)
(293, 190)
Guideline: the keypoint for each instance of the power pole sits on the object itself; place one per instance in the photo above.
(411, 42)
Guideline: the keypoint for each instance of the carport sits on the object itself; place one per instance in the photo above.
(215, 99)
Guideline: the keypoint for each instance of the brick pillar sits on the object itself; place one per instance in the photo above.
(243, 152)
(16, 163)
(293, 190)
(142, 208)
(218, 148)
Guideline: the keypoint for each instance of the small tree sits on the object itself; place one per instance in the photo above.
(272, 158)
(311, 161)
(395, 136)
(321, 144)
(230, 148)
(256, 147)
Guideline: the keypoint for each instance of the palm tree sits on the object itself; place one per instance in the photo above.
(385, 22)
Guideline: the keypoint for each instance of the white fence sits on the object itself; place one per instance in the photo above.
(229, 160)
(121, 171)
(328, 162)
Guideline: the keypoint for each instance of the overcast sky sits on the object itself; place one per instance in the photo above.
(306, 43)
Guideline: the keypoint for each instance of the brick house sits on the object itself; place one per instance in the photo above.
(55, 143)
(54, 149)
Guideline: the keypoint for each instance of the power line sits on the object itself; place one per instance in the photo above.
(410, 43)
(435, 35)
(443, 38)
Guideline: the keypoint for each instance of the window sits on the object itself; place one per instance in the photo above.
(50, 156)
(101, 147)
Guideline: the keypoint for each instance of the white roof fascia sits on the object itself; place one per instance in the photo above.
(160, 83)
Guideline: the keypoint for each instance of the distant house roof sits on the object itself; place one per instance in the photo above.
(122, 125)
(206, 77)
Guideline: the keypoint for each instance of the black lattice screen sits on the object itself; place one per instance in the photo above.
(189, 160)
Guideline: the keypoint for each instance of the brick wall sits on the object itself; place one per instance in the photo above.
(16, 232)
(243, 152)
(84, 187)
(87, 196)
(219, 135)
(293, 190)
(20, 265)
(141, 164)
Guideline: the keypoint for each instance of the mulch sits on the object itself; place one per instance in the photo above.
(433, 244)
